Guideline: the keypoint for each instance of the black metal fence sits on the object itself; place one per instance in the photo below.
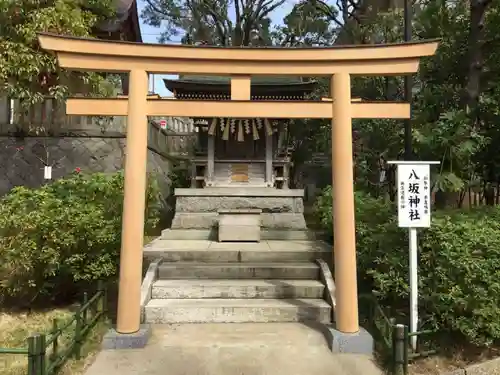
(393, 340)
(45, 353)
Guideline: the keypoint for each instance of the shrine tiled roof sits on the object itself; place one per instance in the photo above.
(267, 80)
(268, 85)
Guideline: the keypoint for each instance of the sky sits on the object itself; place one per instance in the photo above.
(150, 35)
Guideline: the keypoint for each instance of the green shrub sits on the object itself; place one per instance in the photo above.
(62, 234)
(459, 265)
(179, 176)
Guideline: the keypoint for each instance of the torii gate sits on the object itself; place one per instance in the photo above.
(338, 62)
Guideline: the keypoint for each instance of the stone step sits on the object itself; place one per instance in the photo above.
(246, 288)
(265, 234)
(268, 220)
(205, 251)
(192, 270)
(236, 310)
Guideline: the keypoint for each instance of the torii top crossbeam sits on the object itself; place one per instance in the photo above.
(102, 55)
(106, 56)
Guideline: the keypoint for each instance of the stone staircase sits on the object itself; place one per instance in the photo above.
(201, 281)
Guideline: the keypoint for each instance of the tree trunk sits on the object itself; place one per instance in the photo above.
(473, 89)
(489, 195)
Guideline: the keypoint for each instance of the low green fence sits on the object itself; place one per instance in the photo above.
(45, 353)
(393, 340)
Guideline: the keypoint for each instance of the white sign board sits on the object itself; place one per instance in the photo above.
(163, 124)
(47, 172)
(414, 195)
(414, 211)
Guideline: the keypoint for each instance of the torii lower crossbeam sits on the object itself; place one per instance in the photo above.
(236, 108)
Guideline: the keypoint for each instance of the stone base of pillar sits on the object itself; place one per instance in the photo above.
(360, 342)
(136, 340)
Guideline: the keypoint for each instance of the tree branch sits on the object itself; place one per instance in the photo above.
(218, 19)
(271, 8)
(157, 9)
(325, 10)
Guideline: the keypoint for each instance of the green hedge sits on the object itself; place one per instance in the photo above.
(459, 264)
(62, 234)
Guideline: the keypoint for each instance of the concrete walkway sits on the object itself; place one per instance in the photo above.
(233, 349)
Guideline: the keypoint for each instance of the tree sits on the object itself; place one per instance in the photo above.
(28, 73)
(216, 22)
(455, 111)
(458, 102)
(315, 23)
(305, 25)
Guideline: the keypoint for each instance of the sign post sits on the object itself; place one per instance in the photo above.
(414, 211)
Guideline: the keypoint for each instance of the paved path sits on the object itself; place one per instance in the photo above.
(232, 349)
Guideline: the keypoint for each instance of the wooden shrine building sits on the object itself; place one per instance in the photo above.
(250, 152)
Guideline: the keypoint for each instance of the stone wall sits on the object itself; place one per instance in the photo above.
(24, 159)
(44, 135)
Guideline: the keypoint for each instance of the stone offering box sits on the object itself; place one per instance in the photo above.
(239, 225)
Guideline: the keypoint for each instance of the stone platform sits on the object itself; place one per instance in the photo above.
(198, 208)
(233, 349)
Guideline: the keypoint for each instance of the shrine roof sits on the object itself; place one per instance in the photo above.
(268, 84)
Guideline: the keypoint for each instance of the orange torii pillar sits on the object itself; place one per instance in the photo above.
(134, 205)
(346, 335)
(344, 251)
